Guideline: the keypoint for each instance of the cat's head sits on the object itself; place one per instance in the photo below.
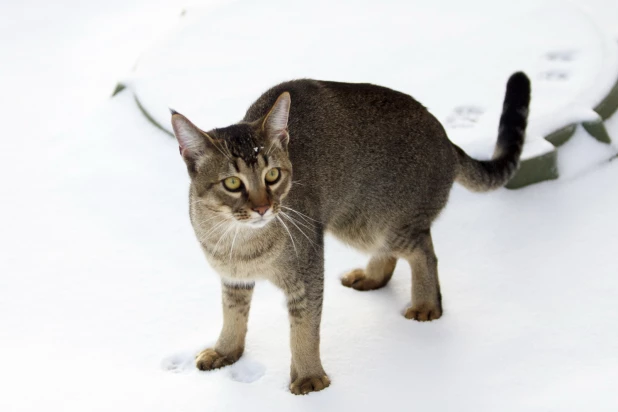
(241, 172)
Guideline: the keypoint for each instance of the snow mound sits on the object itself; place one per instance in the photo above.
(454, 59)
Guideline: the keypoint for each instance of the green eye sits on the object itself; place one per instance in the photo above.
(272, 176)
(232, 184)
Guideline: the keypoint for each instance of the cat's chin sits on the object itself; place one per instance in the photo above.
(257, 224)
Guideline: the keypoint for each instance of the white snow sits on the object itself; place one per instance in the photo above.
(105, 296)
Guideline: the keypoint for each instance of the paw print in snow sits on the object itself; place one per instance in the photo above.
(464, 116)
(561, 55)
(554, 75)
(556, 65)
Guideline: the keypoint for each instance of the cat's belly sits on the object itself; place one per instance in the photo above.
(362, 239)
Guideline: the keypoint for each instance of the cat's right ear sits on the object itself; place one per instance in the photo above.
(192, 141)
(275, 123)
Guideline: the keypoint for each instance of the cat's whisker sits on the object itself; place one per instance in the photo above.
(229, 154)
(209, 219)
(301, 214)
(303, 220)
(222, 152)
(223, 219)
(272, 145)
(289, 233)
(227, 150)
(300, 230)
(233, 240)
(215, 228)
(226, 217)
(216, 248)
(303, 224)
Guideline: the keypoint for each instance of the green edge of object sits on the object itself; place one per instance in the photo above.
(149, 117)
(119, 87)
(544, 167)
(609, 104)
(535, 170)
(597, 130)
(561, 136)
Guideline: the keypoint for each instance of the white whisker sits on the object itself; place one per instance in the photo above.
(215, 227)
(301, 214)
(214, 251)
(289, 233)
(299, 229)
(303, 224)
(272, 144)
(201, 222)
(221, 151)
(233, 240)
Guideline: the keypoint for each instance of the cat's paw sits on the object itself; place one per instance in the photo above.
(424, 312)
(209, 359)
(357, 279)
(302, 386)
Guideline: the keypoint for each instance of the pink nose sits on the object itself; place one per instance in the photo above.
(261, 209)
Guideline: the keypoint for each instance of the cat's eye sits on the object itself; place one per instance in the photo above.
(233, 184)
(272, 176)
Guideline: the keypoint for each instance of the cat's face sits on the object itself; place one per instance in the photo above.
(239, 173)
(247, 187)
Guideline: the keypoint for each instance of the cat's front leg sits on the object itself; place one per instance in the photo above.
(304, 301)
(231, 342)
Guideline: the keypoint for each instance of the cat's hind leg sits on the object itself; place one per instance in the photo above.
(426, 296)
(378, 272)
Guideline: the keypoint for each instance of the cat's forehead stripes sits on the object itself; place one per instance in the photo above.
(241, 142)
(240, 166)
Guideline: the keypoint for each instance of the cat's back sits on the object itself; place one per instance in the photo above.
(359, 128)
(341, 101)
(354, 115)
(370, 99)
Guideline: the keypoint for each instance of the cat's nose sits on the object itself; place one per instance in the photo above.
(261, 209)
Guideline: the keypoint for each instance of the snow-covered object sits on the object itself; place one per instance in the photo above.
(453, 56)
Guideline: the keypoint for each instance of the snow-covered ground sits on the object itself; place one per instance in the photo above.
(105, 296)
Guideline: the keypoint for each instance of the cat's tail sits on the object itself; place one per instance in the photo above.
(482, 176)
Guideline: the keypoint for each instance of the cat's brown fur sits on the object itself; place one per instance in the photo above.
(369, 164)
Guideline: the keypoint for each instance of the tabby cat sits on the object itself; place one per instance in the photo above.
(366, 163)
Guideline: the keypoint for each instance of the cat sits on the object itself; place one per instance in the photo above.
(366, 163)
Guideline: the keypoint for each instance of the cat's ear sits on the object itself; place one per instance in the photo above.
(275, 123)
(192, 141)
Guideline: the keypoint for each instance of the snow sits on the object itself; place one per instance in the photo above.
(581, 154)
(105, 296)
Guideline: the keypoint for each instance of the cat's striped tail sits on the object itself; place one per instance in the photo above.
(481, 176)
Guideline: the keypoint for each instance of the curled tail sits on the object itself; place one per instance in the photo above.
(481, 176)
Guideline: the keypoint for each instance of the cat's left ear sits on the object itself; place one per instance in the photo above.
(276, 121)
(192, 141)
